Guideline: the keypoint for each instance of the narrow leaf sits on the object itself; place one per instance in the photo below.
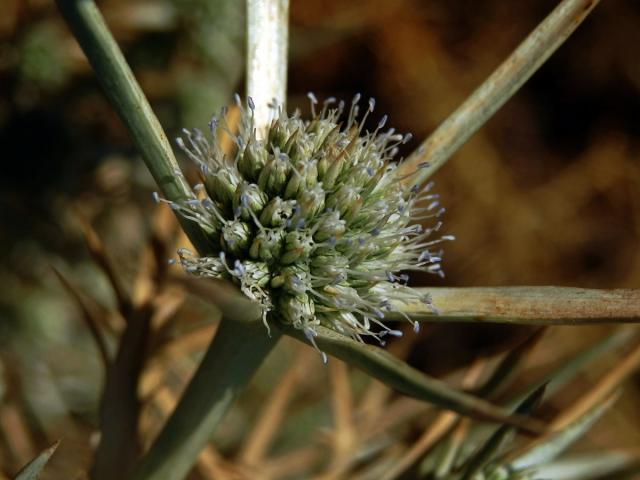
(398, 375)
(498, 88)
(31, 471)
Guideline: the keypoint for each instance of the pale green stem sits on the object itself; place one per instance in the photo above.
(267, 44)
(497, 89)
(527, 305)
(236, 352)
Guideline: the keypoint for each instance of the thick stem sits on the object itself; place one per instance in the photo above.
(498, 88)
(528, 305)
(267, 43)
(236, 352)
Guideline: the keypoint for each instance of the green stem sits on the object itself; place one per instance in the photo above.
(236, 352)
(528, 305)
(498, 88)
(127, 98)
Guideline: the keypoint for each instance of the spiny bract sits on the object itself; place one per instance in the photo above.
(313, 220)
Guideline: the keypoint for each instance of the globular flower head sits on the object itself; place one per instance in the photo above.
(313, 221)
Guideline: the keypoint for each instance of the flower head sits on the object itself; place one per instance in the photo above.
(313, 221)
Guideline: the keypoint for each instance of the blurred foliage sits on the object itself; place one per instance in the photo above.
(546, 193)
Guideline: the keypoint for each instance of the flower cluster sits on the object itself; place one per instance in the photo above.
(313, 221)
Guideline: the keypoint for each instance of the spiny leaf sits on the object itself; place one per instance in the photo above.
(31, 471)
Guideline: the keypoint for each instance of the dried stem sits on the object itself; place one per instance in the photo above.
(498, 88)
(267, 44)
(529, 305)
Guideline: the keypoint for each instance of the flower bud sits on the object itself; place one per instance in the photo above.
(211, 267)
(329, 268)
(310, 203)
(275, 174)
(330, 226)
(297, 246)
(347, 201)
(248, 198)
(293, 279)
(221, 186)
(252, 161)
(304, 176)
(277, 212)
(267, 245)
(254, 274)
(297, 310)
(235, 237)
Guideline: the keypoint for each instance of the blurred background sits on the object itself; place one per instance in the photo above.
(547, 193)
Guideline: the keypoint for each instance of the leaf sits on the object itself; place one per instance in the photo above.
(31, 471)
(398, 375)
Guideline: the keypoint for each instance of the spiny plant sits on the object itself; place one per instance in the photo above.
(312, 220)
